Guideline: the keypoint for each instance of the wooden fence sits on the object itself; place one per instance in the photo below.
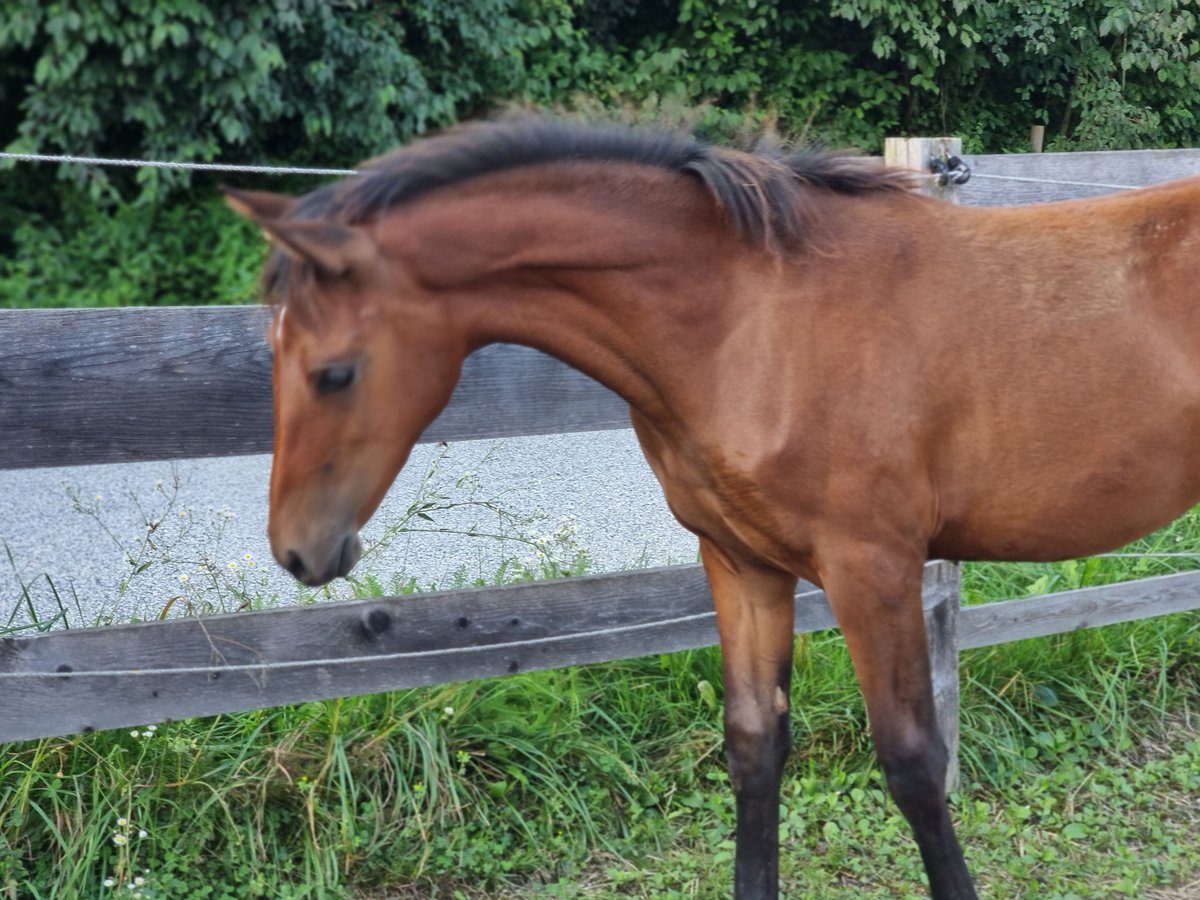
(91, 386)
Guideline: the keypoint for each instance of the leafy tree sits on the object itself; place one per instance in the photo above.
(1102, 74)
(290, 80)
(330, 82)
(311, 81)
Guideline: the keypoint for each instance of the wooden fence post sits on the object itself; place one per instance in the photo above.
(942, 582)
(918, 153)
(1037, 137)
(942, 599)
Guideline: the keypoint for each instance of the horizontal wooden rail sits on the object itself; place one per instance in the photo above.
(83, 386)
(284, 654)
(1127, 601)
(1048, 173)
(92, 386)
(71, 681)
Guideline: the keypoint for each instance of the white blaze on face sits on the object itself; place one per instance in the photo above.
(279, 329)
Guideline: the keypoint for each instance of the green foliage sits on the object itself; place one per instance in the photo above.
(286, 80)
(610, 780)
(1081, 764)
(314, 83)
(1101, 74)
(132, 254)
(307, 81)
(733, 66)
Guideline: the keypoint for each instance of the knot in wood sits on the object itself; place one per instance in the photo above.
(376, 621)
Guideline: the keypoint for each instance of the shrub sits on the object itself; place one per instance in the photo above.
(132, 254)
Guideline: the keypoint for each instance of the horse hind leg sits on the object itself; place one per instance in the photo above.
(755, 620)
(876, 597)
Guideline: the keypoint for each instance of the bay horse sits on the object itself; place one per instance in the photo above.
(832, 377)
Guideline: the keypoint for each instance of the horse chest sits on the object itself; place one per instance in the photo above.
(729, 503)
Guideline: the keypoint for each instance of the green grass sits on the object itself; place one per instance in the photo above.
(1080, 754)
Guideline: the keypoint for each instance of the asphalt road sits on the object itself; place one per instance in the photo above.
(138, 539)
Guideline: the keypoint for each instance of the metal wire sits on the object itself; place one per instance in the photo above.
(158, 164)
(1095, 184)
(377, 657)
(299, 170)
(417, 654)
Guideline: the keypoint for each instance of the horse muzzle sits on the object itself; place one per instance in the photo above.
(314, 573)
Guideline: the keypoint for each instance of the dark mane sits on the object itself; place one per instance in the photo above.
(758, 191)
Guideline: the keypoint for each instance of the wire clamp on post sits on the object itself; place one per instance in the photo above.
(953, 170)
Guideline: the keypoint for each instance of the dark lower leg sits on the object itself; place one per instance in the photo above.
(876, 596)
(755, 619)
(916, 777)
(756, 760)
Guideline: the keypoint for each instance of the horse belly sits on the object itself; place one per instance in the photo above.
(1075, 441)
(1083, 512)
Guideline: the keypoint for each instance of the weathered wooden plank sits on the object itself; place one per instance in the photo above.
(71, 681)
(292, 655)
(1134, 168)
(1014, 620)
(283, 649)
(84, 386)
(942, 597)
(117, 385)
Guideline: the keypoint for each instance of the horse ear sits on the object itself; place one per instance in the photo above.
(256, 205)
(333, 248)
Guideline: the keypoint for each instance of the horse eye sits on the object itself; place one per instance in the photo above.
(334, 378)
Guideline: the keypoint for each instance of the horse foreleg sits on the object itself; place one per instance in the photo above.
(876, 597)
(754, 616)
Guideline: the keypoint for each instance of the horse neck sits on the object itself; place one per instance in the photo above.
(618, 271)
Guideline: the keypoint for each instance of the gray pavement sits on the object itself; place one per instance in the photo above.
(143, 538)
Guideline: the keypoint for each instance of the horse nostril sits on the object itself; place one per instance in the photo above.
(295, 565)
(349, 554)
